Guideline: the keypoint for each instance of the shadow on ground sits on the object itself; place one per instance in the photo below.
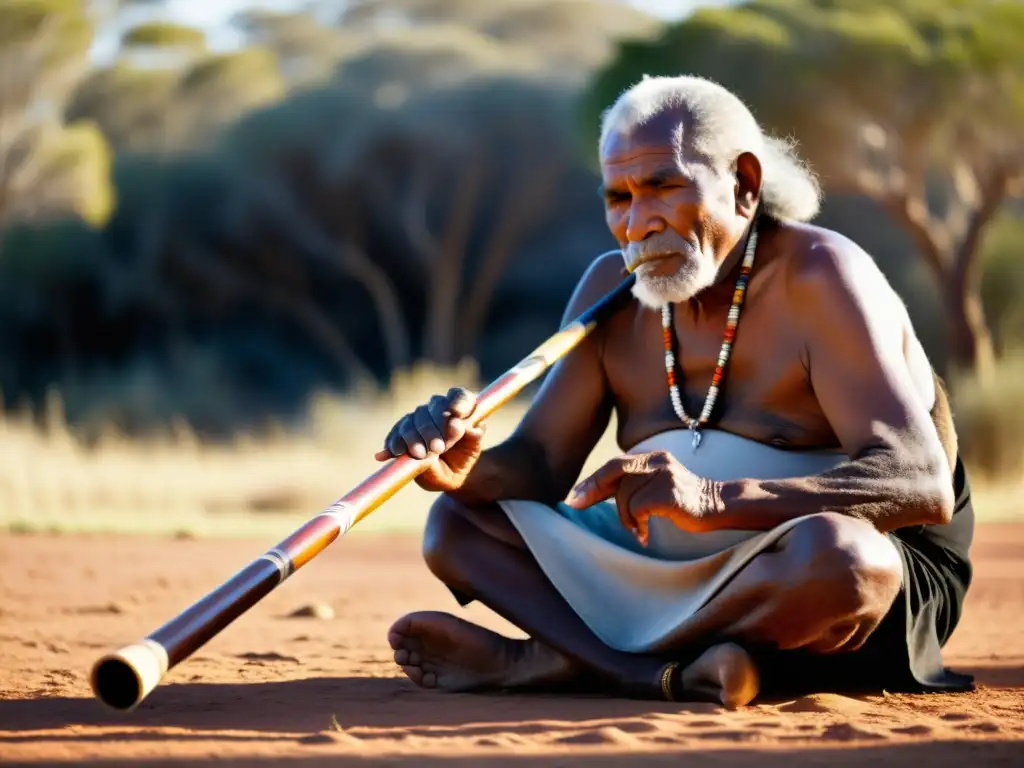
(935, 753)
(308, 704)
(301, 706)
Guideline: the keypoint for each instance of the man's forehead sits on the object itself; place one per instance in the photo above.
(665, 133)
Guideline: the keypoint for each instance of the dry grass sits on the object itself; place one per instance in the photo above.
(261, 488)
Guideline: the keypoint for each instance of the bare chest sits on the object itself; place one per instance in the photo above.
(765, 394)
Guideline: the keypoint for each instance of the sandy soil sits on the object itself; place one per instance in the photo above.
(277, 690)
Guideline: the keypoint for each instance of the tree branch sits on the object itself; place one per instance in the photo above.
(522, 206)
(305, 314)
(350, 260)
(446, 272)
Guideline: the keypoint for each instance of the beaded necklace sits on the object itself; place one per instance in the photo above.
(733, 320)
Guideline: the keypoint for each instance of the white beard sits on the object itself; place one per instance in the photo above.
(654, 291)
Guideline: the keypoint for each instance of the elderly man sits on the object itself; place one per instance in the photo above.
(790, 513)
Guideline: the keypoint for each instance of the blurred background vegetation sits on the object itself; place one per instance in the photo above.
(214, 214)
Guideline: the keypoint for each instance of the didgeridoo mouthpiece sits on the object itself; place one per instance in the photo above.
(125, 677)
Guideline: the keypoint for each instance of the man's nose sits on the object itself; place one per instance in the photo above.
(643, 223)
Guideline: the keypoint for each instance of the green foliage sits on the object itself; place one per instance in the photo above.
(62, 23)
(407, 60)
(218, 89)
(1003, 280)
(307, 51)
(160, 109)
(567, 37)
(132, 106)
(47, 169)
(75, 163)
(163, 34)
(820, 68)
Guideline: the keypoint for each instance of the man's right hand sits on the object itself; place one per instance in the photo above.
(439, 430)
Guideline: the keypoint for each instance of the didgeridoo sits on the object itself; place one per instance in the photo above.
(122, 679)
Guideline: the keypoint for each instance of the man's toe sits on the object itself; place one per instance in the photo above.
(415, 674)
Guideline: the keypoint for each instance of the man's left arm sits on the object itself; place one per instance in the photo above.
(898, 473)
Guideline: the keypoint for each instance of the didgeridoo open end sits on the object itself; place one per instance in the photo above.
(124, 678)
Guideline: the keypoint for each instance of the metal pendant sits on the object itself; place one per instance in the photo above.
(696, 438)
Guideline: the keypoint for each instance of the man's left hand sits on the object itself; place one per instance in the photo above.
(648, 484)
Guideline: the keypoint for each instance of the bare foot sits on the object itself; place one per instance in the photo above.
(438, 650)
(724, 673)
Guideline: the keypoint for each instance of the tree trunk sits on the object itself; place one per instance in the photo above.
(970, 339)
(447, 269)
(351, 260)
(958, 272)
(522, 207)
(970, 343)
(303, 313)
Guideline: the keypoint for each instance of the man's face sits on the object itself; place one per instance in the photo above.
(672, 213)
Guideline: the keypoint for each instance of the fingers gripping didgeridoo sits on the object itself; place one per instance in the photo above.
(124, 678)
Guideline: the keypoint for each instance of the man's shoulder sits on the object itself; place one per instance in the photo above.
(604, 273)
(822, 266)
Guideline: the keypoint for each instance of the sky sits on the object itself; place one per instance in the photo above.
(213, 16)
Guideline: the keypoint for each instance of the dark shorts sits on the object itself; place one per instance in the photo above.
(904, 654)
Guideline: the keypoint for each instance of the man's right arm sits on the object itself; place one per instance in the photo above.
(543, 458)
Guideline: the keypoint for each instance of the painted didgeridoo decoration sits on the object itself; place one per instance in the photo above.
(124, 678)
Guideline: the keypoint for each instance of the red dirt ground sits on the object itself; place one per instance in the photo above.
(271, 690)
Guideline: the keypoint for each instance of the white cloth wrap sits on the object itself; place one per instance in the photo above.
(638, 599)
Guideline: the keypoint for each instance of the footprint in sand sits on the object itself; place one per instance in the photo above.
(849, 732)
(982, 727)
(953, 716)
(636, 726)
(827, 703)
(607, 735)
(259, 658)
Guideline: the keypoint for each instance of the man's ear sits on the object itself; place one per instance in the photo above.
(748, 184)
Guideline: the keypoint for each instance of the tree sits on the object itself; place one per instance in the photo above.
(306, 50)
(471, 172)
(134, 107)
(885, 103)
(176, 107)
(46, 167)
(569, 37)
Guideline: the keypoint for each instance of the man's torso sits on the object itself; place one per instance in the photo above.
(767, 393)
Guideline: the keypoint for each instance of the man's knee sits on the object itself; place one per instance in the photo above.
(456, 531)
(446, 531)
(858, 569)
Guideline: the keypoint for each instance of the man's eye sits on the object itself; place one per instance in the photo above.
(616, 197)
